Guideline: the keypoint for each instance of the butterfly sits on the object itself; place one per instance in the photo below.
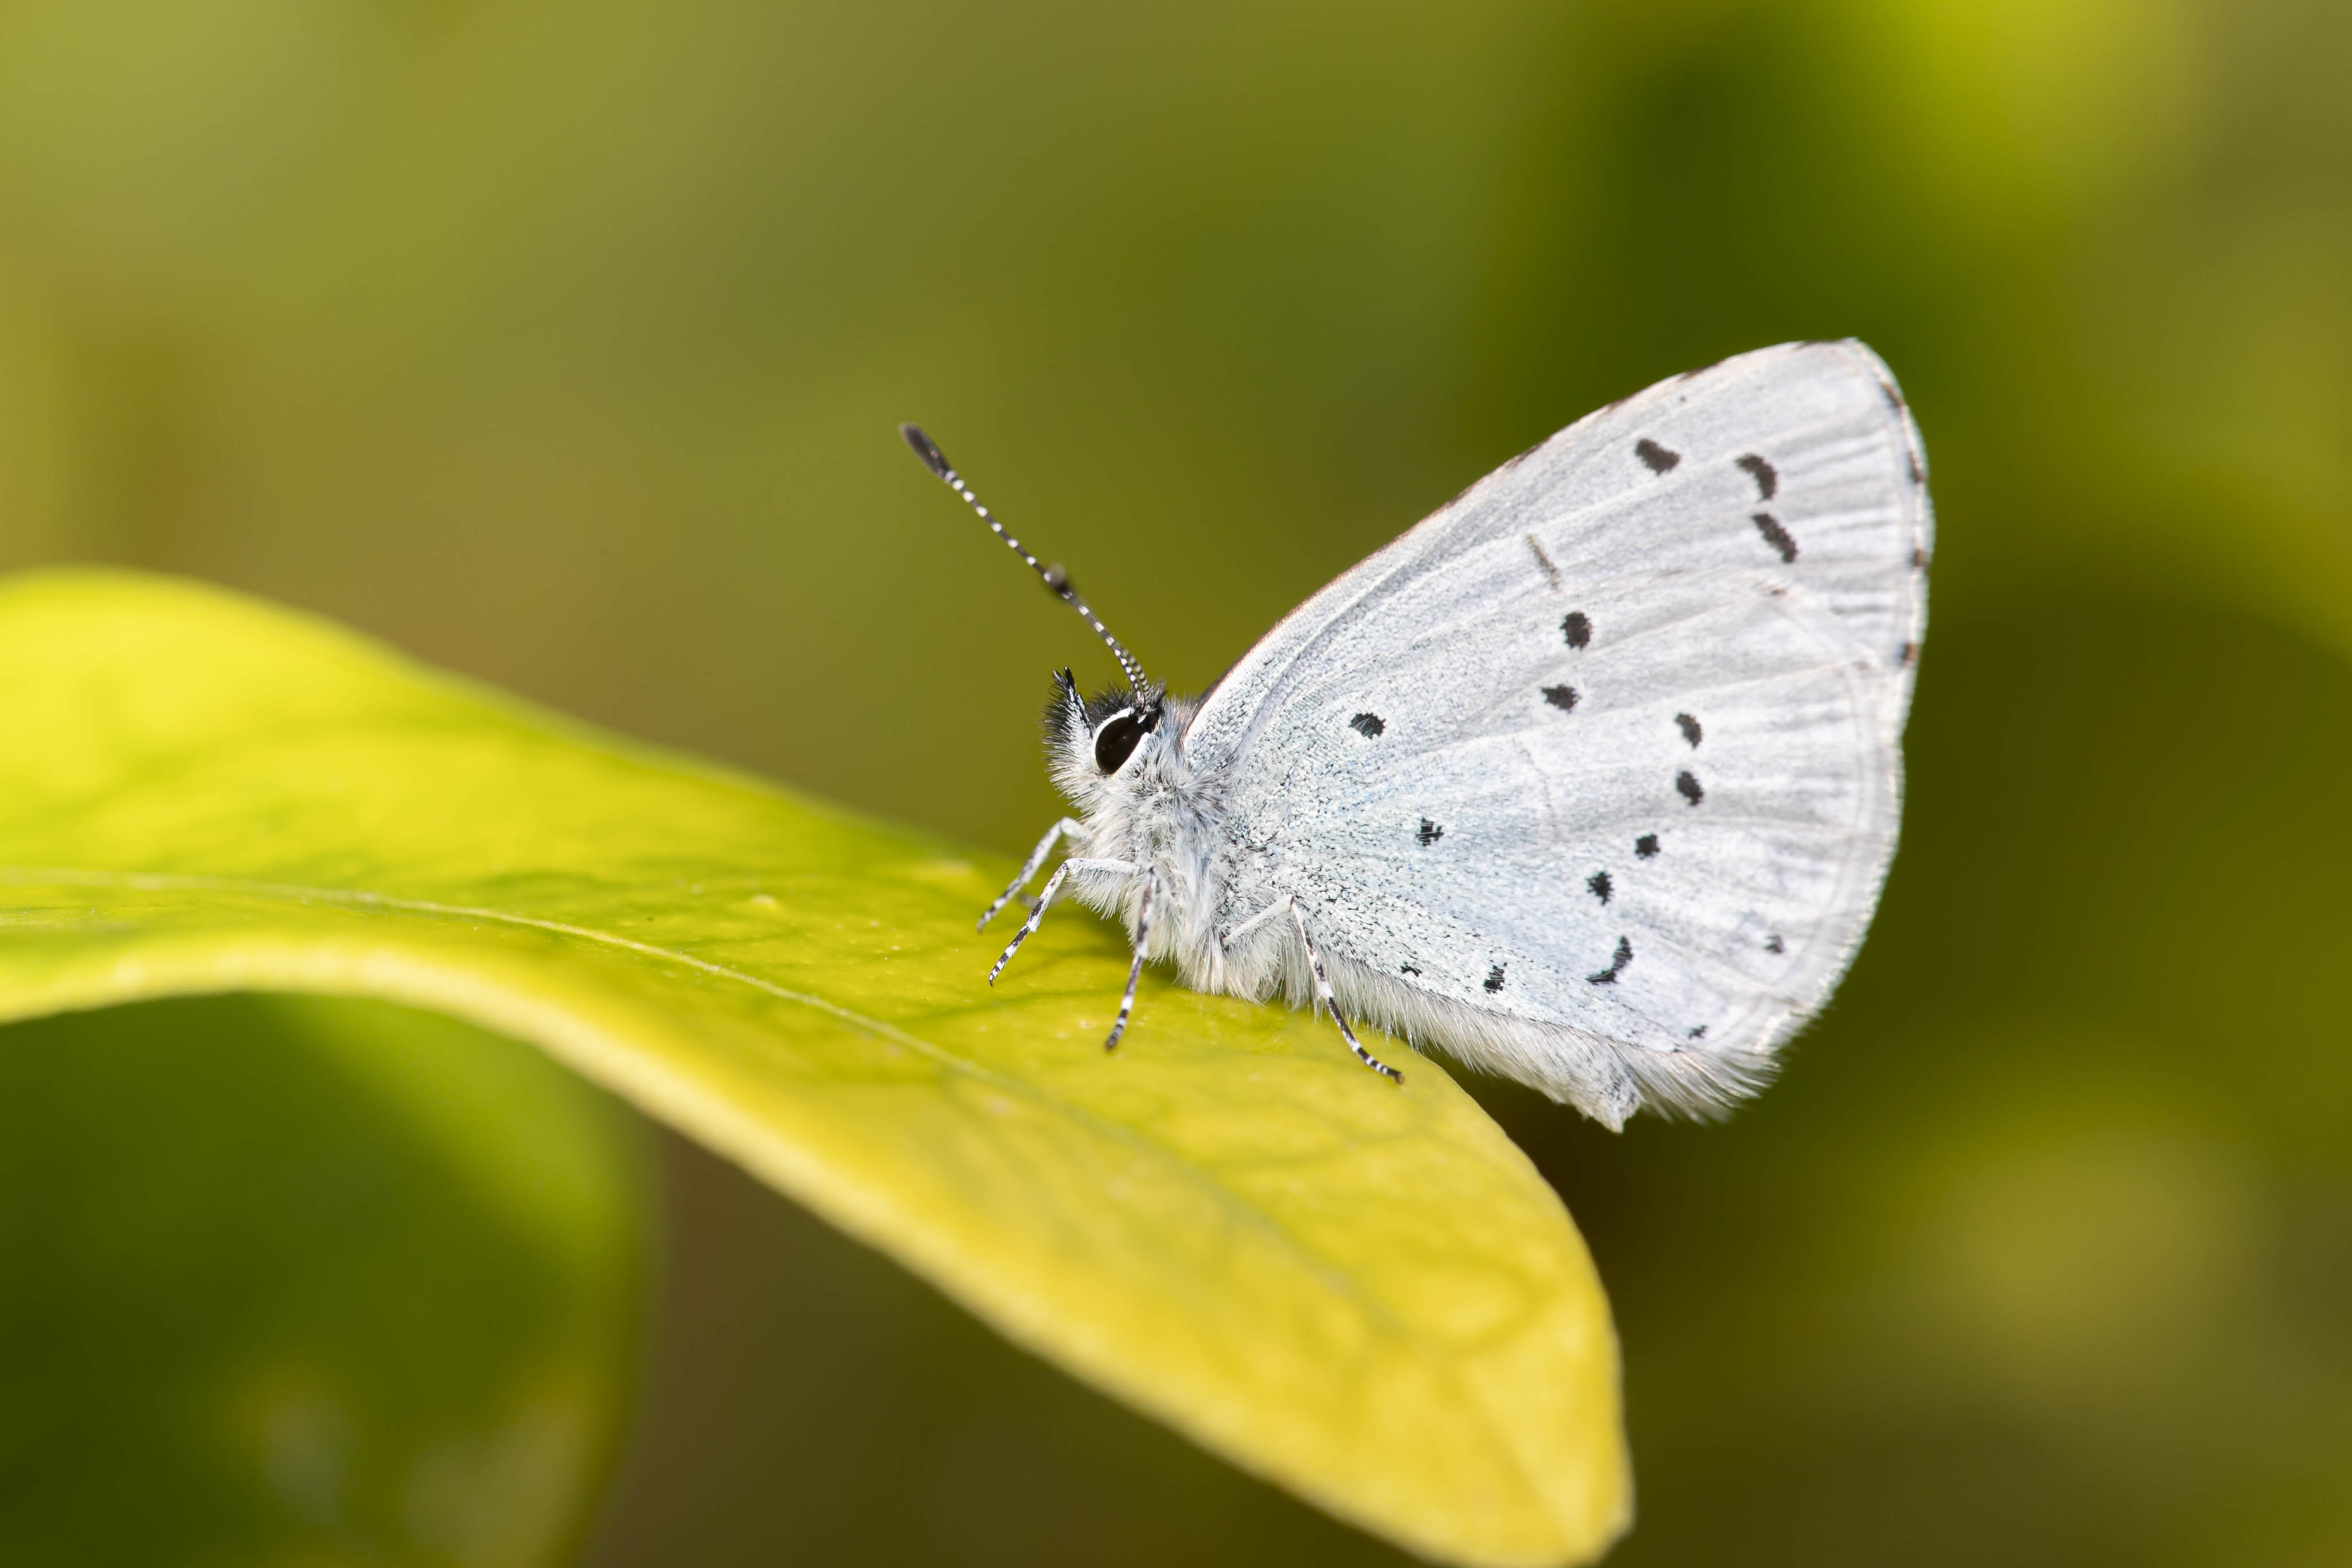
(1590, 779)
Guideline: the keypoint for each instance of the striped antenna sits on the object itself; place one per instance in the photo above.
(1052, 575)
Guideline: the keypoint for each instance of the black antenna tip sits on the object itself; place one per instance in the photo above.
(1057, 580)
(933, 458)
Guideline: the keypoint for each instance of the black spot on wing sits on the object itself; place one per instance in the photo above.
(1688, 725)
(1407, 969)
(1645, 846)
(1494, 979)
(1561, 698)
(1430, 832)
(1776, 536)
(1576, 629)
(1625, 955)
(1599, 884)
(1367, 724)
(1772, 944)
(1656, 456)
(1687, 785)
(1700, 1033)
(1768, 479)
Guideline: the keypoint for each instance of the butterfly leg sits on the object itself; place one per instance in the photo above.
(1135, 969)
(1068, 828)
(1323, 995)
(1053, 885)
(1269, 913)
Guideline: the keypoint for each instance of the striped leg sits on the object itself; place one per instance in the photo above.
(1135, 969)
(1068, 828)
(1054, 885)
(1323, 995)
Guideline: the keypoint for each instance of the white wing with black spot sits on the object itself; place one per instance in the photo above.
(1607, 752)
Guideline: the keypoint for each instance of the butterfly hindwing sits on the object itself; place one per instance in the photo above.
(1609, 746)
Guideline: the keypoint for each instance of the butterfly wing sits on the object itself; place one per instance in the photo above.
(1593, 777)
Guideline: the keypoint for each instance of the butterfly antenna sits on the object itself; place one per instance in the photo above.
(1052, 575)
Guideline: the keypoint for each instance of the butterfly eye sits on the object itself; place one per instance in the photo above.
(1116, 741)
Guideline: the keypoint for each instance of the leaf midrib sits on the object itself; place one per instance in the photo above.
(1189, 1171)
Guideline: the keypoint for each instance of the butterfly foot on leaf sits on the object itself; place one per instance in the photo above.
(1323, 998)
(1135, 969)
(1054, 885)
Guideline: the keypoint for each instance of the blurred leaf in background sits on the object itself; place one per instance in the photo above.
(563, 345)
(293, 1279)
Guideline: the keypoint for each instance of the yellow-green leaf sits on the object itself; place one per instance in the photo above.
(1362, 1292)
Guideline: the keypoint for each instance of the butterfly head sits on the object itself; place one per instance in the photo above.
(1097, 748)
(1093, 740)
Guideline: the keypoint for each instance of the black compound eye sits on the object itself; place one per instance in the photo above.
(1116, 741)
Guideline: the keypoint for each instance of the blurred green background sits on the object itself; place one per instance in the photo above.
(561, 344)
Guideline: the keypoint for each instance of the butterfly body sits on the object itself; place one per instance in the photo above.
(1590, 779)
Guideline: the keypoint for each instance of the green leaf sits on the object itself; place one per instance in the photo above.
(1364, 1293)
(280, 1289)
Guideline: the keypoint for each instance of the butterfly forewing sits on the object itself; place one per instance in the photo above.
(1610, 743)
